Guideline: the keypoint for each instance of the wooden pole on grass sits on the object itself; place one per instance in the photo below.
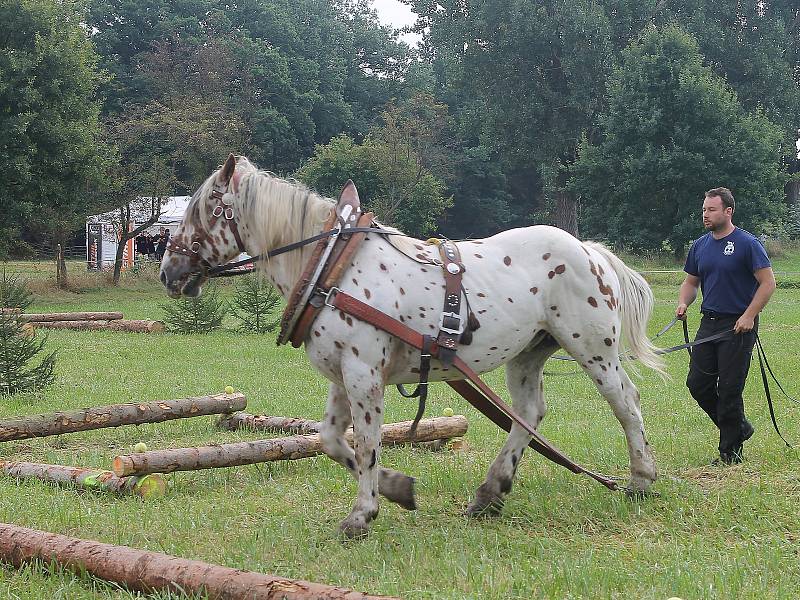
(149, 486)
(156, 572)
(243, 420)
(115, 415)
(248, 422)
(130, 325)
(286, 448)
(70, 316)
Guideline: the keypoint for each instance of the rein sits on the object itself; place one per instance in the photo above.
(222, 270)
(763, 364)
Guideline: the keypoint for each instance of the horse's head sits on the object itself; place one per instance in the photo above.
(208, 235)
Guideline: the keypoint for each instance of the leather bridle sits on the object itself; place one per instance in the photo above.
(222, 210)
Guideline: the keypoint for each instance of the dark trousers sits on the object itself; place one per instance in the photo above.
(717, 374)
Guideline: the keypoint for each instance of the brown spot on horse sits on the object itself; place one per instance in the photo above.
(507, 260)
(592, 301)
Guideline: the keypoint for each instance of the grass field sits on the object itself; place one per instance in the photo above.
(711, 533)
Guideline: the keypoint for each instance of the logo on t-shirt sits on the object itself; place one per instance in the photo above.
(728, 249)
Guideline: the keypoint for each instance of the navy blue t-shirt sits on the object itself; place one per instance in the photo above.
(725, 268)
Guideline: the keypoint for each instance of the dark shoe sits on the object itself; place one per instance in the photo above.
(747, 431)
(734, 457)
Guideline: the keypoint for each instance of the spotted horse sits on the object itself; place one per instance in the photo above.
(531, 290)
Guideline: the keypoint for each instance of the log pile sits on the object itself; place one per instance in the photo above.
(156, 572)
(286, 448)
(115, 415)
(149, 486)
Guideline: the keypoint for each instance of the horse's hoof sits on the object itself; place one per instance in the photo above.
(478, 510)
(354, 528)
(637, 494)
(397, 488)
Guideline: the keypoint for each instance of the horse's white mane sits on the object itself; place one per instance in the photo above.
(275, 212)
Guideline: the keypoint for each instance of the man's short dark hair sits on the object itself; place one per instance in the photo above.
(725, 195)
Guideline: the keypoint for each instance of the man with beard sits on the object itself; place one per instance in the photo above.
(733, 271)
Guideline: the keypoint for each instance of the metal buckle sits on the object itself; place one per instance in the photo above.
(450, 315)
(218, 210)
(328, 294)
(192, 247)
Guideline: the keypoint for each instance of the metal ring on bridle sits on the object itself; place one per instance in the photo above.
(217, 211)
(194, 249)
(229, 214)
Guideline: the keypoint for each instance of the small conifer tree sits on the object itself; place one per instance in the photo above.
(14, 292)
(254, 303)
(18, 346)
(195, 315)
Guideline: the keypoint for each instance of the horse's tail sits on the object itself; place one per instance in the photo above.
(636, 307)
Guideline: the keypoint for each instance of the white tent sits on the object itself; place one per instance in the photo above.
(103, 231)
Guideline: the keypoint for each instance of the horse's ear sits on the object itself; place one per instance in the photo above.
(226, 172)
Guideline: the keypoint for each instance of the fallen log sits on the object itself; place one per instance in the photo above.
(285, 448)
(156, 572)
(71, 316)
(246, 421)
(115, 415)
(149, 486)
(243, 420)
(130, 325)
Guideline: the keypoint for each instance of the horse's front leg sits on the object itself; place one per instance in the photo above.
(393, 485)
(365, 393)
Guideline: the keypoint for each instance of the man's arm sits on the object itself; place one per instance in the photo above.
(766, 285)
(687, 295)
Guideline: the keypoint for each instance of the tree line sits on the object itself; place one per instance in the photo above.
(608, 118)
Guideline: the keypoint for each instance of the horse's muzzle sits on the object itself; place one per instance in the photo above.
(187, 284)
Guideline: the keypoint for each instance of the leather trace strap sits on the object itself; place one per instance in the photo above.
(474, 391)
(450, 328)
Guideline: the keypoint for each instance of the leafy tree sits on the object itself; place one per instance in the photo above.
(50, 151)
(755, 45)
(390, 180)
(672, 130)
(538, 72)
(18, 346)
(295, 72)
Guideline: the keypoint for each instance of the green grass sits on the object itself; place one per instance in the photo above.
(712, 533)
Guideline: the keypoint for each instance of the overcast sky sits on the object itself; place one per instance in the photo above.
(397, 14)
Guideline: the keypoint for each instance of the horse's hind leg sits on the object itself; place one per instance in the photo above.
(601, 362)
(629, 413)
(524, 381)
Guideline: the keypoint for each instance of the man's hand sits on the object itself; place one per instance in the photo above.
(744, 324)
(680, 312)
